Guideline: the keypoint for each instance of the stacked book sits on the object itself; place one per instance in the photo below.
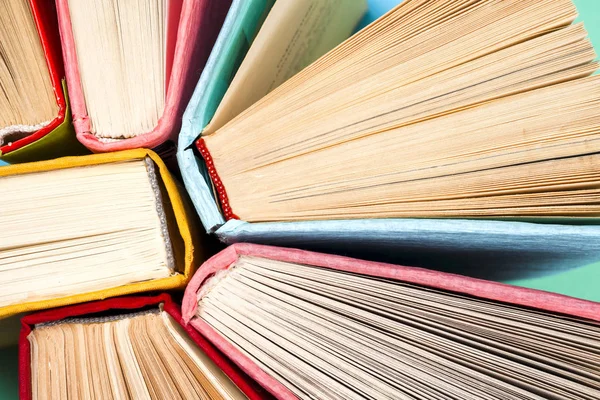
(409, 192)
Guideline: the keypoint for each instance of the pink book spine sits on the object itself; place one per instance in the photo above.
(198, 27)
(541, 300)
(81, 121)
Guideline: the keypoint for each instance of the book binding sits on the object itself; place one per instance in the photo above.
(199, 25)
(218, 184)
(482, 289)
(125, 304)
(57, 138)
(183, 217)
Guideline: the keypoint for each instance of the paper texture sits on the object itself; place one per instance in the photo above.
(186, 227)
(57, 138)
(292, 24)
(440, 280)
(295, 34)
(126, 303)
(198, 28)
(423, 277)
(555, 256)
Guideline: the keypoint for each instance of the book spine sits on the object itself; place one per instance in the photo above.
(44, 15)
(217, 182)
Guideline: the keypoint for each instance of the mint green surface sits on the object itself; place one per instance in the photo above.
(589, 14)
(583, 282)
(9, 367)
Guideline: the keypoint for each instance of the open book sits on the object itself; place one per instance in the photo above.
(426, 113)
(131, 65)
(261, 45)
(34, 114)
(124, 348)
(307, 325)
(90, 227)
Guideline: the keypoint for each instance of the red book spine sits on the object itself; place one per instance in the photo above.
(214, 176)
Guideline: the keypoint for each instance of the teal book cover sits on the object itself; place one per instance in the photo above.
(239, 30)
(553, 257)
(242, 25)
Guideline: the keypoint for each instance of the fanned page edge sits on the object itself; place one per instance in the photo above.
(182, 219)
(249, 388)
(189, 30)
(489, 290)
(44, 15)
(537, 299)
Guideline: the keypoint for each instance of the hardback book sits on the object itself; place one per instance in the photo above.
(35, 122)
(90, 227)
(131, 66)
(123, 348)
(427, 138)
(262, 44)
(313, 326)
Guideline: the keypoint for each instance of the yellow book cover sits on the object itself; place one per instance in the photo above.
(86, 228)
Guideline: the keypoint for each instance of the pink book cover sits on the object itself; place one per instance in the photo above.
(193, 27)
(540, 300)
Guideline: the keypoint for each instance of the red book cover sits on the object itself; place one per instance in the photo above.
(44, 14)
(127, 304)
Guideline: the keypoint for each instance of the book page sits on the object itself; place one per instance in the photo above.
(214, 378)
(117, 44)
(294, 34)
(27, 99)
(82, 229)
(145, 355)
(430, 113)
(331, 334)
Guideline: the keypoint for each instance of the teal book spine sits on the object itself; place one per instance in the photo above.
(239, 30)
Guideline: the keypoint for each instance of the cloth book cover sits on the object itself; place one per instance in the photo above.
(239, 29)
(305, 293)
(193, 26)
(57, 138)
(125, 305)
(175, 221)
(508, 250)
